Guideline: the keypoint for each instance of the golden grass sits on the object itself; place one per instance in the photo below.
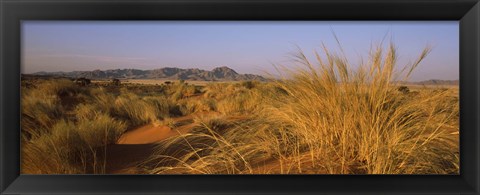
(357, 119)
(347, 121)
(323, 117)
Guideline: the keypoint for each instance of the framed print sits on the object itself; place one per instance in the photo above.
(253, 97)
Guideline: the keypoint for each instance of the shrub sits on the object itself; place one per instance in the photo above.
(86, 111)
(134, 110)
(58, 87)
(243, 102)
(56, 152)
(72, 148)
(161, 104)
(403, 89)
(41, 106)
(101, 130)
(102, 100)
(249, 84)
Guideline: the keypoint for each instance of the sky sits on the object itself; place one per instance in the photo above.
(245, 46)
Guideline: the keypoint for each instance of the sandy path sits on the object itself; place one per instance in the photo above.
(150, 133)
(146, 134)
(138, 144)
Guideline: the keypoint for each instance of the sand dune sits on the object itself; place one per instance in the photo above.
(137, 145)
(146, 134)
(152, 133)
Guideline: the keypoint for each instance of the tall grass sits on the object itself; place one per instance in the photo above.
(161, 104)
(54, 152)
(100, 130)
(41, 106)
(244, 101)
(136, 111)
(356, 119)
(214, 145)
(72, 148)
(328, 116)
(181, 90)
(57, 140)
(237, 99)
(324, 116)
(38, 114)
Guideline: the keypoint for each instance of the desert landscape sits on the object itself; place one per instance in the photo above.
(322, 116)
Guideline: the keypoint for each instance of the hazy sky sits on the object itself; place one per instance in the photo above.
(245, 46)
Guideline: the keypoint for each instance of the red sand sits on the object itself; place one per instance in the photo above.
(150, 133)
(146, 134)
(138, 144)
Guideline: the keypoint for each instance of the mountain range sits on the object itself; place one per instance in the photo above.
(438, 82)
(223, 73)
(432, 82)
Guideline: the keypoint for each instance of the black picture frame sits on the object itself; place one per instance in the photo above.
(12, 12)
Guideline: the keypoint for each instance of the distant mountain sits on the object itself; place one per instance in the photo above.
(217, 74)
(438, 82)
